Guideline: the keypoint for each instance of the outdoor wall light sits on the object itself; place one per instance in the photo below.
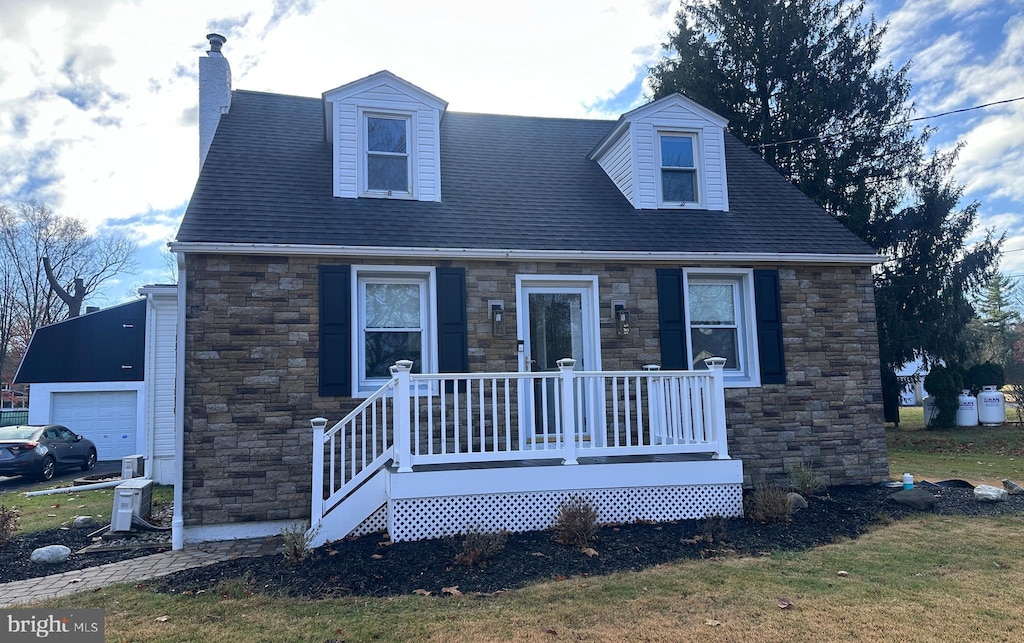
(621, 319)
(497, 313)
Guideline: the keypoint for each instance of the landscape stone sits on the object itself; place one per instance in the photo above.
(796, 501)
(1012, 487)
(84, 521)
(988, 493)
(916, 498)
(51, 554)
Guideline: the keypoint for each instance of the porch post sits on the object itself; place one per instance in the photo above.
(655, 415)
(565, 366)
(402, 438)
(317, 510)
(717, 367)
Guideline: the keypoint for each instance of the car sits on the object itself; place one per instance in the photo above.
(41, 450)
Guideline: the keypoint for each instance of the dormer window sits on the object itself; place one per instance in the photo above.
(387, 155)
(678, 159)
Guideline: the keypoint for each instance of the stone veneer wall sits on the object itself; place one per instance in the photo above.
(251, 365)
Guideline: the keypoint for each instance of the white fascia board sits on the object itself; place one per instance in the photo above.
(279, 249)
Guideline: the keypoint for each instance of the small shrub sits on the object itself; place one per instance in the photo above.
(713, 529)
(576, 523)
(478, 548)
(805, 480)
(296, 540)
(768, 503)
(8, 524)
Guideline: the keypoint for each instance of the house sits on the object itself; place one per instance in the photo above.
(399, 316)
(109, 376)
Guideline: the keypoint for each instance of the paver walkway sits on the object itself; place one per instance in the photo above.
(133, 569)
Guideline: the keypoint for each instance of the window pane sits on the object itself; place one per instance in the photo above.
(392, 305)
(678, 186)
(384, 349)
(712, 304)
(385, 135)
(387, 173)
(677, 151)
(715, 342)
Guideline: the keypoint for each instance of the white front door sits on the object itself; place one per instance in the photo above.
(557, 318)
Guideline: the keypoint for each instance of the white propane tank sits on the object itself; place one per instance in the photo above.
(967, 413)
(991, 406)
(929, 409)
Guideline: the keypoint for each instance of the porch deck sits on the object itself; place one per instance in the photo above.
(434, 455)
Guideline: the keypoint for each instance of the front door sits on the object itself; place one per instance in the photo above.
(557, 319)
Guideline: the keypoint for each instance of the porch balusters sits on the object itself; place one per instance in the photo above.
(717, 367)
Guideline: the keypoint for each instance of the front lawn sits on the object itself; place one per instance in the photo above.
(38, 513)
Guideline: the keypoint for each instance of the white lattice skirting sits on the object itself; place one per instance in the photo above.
(421, 518)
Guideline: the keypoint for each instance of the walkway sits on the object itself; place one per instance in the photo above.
(133, 569)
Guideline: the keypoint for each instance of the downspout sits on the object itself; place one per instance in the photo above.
(177, 521)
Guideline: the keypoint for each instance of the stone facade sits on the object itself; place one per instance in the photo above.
(251, 363)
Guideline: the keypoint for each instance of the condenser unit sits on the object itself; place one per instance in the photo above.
(132, 498)
(133, 466)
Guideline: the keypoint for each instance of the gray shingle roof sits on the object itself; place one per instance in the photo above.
(508, 182)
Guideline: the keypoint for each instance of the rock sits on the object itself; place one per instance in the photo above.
(916, 498)
(988, 493)
(51, 554)
(1012, 487)
(84, 521)
(796, 501)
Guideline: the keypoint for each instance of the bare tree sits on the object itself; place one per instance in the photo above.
(48, 259)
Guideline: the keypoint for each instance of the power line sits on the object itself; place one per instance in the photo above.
(903, 122)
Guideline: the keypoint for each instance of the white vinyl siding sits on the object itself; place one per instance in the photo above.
(424, 135)
(161, 339)
(672, 114)
(618, 164)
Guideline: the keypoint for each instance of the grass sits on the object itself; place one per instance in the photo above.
(48, 512)
(930, 578)
(980, 455)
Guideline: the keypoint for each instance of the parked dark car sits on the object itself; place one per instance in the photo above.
(41, 450)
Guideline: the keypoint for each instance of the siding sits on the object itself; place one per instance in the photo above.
(424, 135)
(618, 165)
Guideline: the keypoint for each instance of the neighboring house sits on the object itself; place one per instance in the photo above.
(334, 244)
(109, 375)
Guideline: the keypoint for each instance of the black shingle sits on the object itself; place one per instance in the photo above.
(508, 182)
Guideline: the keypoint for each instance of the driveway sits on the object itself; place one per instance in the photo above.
(20, 483)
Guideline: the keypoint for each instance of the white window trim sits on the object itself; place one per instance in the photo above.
(364, 387)
(411, 151)
(699, 169)
(749, 375)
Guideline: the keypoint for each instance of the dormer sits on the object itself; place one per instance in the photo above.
(386, 136)
(668, 155)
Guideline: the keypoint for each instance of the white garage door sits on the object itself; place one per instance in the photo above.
(108, 418)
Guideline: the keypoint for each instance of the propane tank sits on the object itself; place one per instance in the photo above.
(967, 413)
(991, 406)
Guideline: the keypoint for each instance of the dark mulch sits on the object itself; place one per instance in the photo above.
(373, 567)
(17, 566)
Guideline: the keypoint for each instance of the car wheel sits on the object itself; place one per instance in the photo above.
(90, 462)
(49, 466)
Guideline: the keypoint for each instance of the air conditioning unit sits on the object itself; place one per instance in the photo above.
(133, 466)
(131, 498)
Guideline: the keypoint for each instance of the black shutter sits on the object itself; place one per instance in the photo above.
(452, 334)
(335, 331)
(768, 308)
(672, 320)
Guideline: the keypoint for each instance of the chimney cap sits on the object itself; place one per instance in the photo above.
(216, 42)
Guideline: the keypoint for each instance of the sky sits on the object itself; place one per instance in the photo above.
(99, 98)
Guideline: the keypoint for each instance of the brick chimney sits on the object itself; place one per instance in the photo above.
(214, 92)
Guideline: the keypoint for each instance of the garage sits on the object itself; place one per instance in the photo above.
(108, 418)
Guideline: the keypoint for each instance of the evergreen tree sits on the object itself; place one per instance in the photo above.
(802, 83)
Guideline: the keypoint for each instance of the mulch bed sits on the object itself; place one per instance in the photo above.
(372, 566)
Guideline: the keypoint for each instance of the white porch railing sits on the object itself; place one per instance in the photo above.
(455, 419)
